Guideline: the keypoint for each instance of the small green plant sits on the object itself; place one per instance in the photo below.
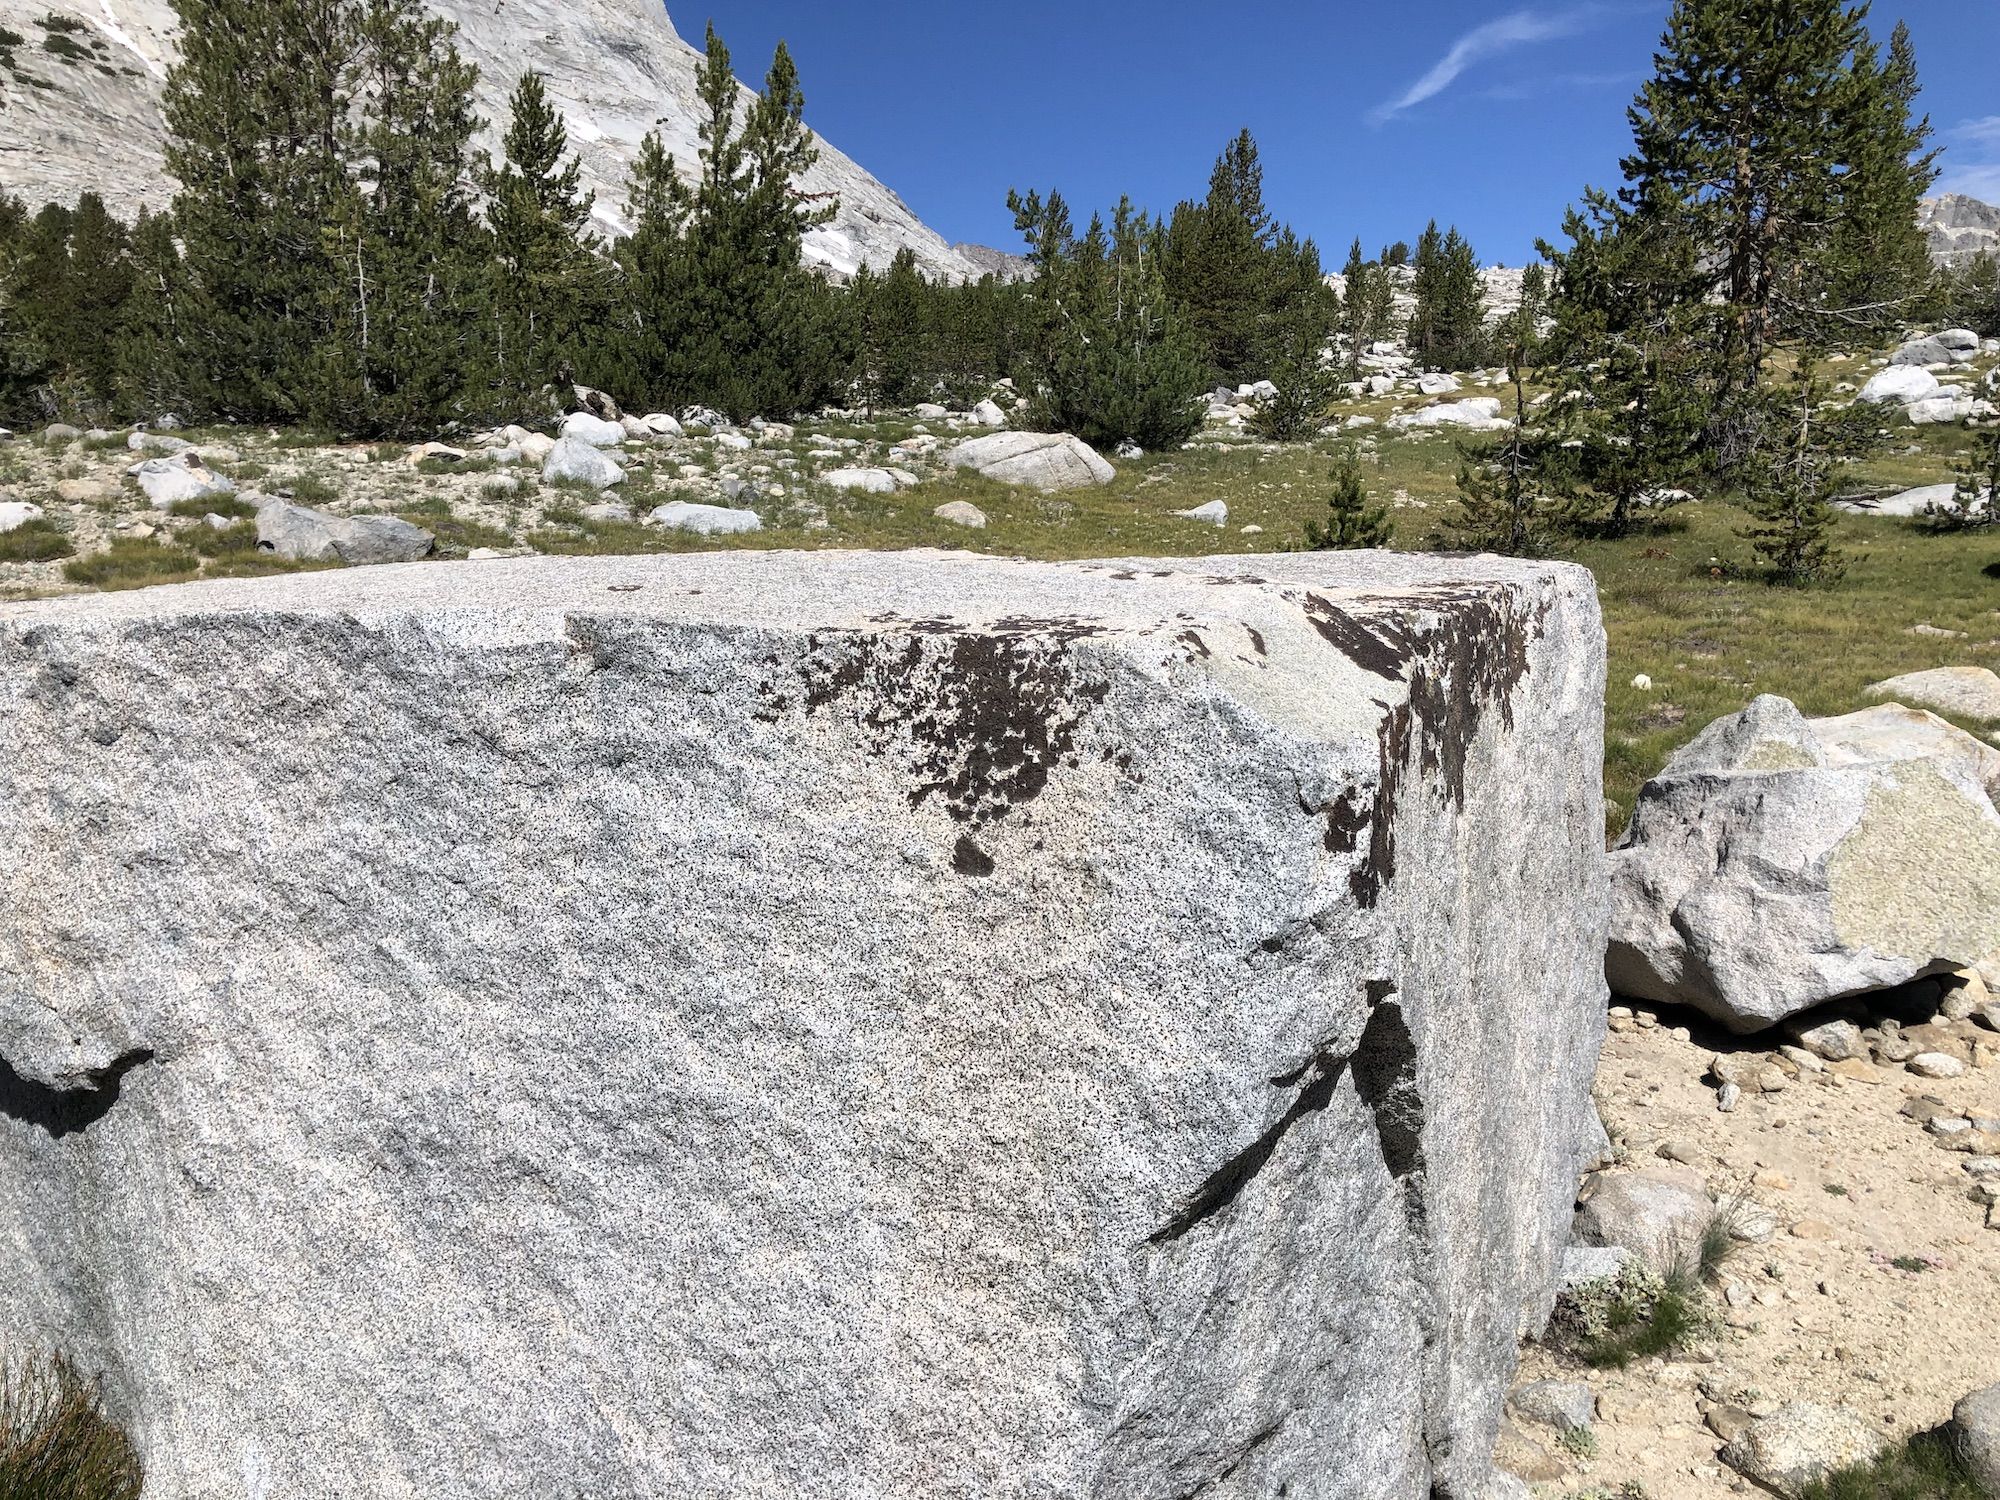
(1718, 1245)
(384, 453)
(313, 489)
(103, 444)
(131, 564)
(55, 1441)
(1634, 1315)
(35, 541)
(1930, 1467)
(436, 467)
(225, 541)
(1834, 1190)
(1352, 523)
(1578, 1442)
(1914, 1265)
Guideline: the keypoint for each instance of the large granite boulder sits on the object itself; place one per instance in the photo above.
(300, 534)
(1969, 692)
(1768, 870)
(838, 1026)
(1033, 460)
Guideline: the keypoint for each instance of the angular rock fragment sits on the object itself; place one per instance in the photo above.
(835, 1026)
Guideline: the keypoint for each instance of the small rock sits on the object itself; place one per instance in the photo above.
(1214, 513)
(1566, 1405)
(1975, 1422)
(1812, 1229)
(1776, 1181)
(1801, 1444)
(1727, 1097)
(1833, 1041)
(1936, 1065)
(598, 432)
(705, 520)
(961, 513)
(581, 462)
(862, 481)
(15, 514)
(989, 414)
(1584, 1265)
(1728, 1422)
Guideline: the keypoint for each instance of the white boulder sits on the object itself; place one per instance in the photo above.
(658, 424)
(1438, 384)
(1035, 460)
(1214, 513)
(862, 481)
(302, 535)
(167, 482)
(1899, 385)
(961, 513)
(14, 514)
(1921, 501)
(1764, 874)
(1801, 1444)
(584, 427)
(705, 520)
(1969, 692)
(989, 414)
(1476, 413)
(815, 1025)
(582, 462)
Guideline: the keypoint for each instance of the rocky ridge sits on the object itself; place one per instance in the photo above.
(1960, 228)
(80, 108)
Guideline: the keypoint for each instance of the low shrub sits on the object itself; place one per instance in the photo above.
(1929, 1467)
(1634, 1315)
(130, 564)
(220, 505)
(35, 541)
(55, 1441)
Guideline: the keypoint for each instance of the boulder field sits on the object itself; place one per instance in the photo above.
(832, 1025)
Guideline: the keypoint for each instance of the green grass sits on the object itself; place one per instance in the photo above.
(131, 564)
(1632, 1316)
(220, 505)
(229, 541)
(454, 533)
(312, 489)
(33, 542)
(1928, 1468)
(55, 1441)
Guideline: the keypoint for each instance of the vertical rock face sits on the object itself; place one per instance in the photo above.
(80, 108)
(765, 1025)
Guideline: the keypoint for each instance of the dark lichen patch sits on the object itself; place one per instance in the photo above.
(64, 1112)
(1380, 647)
(1193, 641)
(969, 859)
(980, 717)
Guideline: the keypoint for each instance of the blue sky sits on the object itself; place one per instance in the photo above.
(1373, 115)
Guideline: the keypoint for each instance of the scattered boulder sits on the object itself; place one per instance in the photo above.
(1975, 1424)
(930, 411)
(1899, 386)
(1922, 501)
(1800, 1444)
(989, 414)
(535, 448)
(1566, 1405)
(1035, 460)
(1214, 513)
(302, 535)
(1955, 346)
(961, 513)
(1659, 1214)
(596, 431)
(608, 512)
(1969, 692)
(143, 441)
(1759, 879)
(1438, 385)
(169, 481)
(581, 462)
(596, 403)
(705, 520)
(1586, 1265)
(14, 514)
(1833, 1041)
(1477, 413)
(60, 432)
(660, 425)
(1947, 405)
(862, 481)
(441, 451)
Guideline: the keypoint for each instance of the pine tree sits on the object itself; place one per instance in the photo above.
(258, 110)
(1975, 502)
(1879, 260)
(1794, 477)
(548, 281)
(719, 308)
(1744, 137)
(1505, 498)
(1426, 334)
(1352, 521)
(1627, 351)
(1110, 362)
(22, 363)
(1354, 309)
(99, 277)
(1305, 317)
(896, 352)
(1216, 263)
(405, 346)
(151, 380)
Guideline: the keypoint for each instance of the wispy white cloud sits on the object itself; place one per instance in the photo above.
(1523, 89)
(1521, 28)
(1972, 159)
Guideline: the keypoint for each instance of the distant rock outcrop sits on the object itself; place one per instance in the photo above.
(80, 108)
(1960, 228)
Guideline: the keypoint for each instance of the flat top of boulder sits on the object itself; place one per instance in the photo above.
(1294, 606)
(1971, 691)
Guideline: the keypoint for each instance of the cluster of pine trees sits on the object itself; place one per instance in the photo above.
(1769, 213)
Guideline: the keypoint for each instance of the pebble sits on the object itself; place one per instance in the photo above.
(1936, 1065)
(1776, 1181)
(1727, 1097)
(1812, 1229)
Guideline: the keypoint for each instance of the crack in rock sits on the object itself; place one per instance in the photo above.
(64, 1112)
